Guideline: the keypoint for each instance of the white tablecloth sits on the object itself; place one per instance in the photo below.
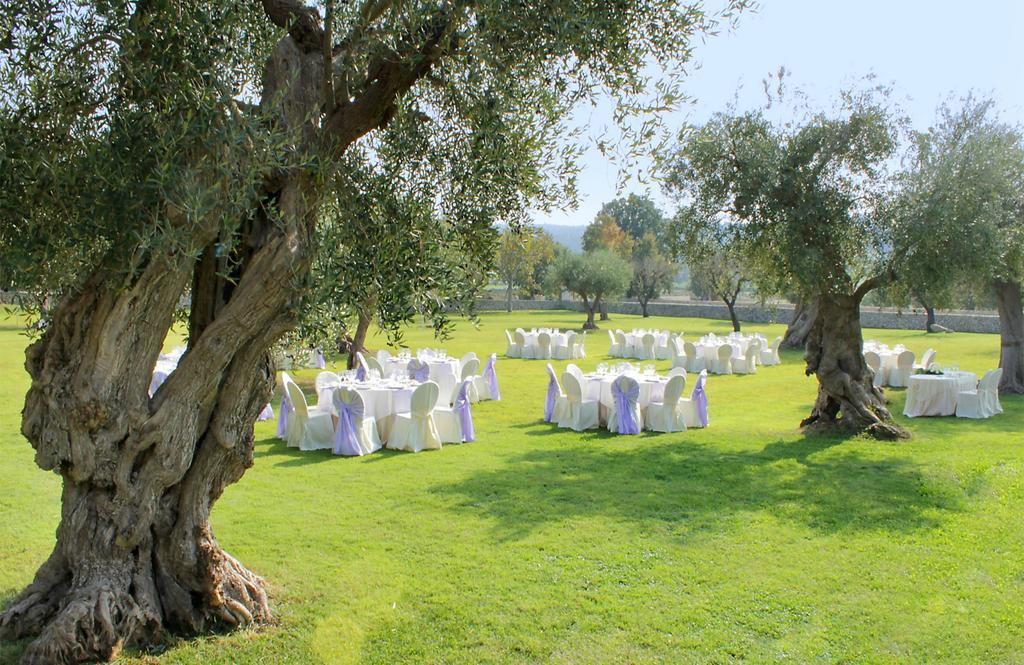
(935, 394)
(599, 387)
(709, 350)
(557, 339)
(445, 372)
(380, 400)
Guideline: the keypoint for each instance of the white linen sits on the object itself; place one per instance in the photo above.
(599, 388)
(445, 372)
(935, 394)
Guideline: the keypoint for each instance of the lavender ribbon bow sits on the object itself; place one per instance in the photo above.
(361, 373)
(623, 406)
(346, 442)
(549, 403)
(282, 422)
(491, 377)
(461, 409)
(319, 360)
(267, 413)
(700, 398)
(418, 370)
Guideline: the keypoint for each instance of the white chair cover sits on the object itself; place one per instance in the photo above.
(512, 350)
(455, 424)
(525, 350)
(624, 415)
(695, 409)
(323, 381)
(309, 429)
(770, 356)
(899, 376)
(694, 361)
(667, 416)
(470, 371)
(647, 352)
(580, 414)
(874, 361)
(746, 364)
(543, 346)
(723, 360)
(383, 356)
(983, 402)
(356, 434)
(555, 404)
(615, 348)
(416, 430)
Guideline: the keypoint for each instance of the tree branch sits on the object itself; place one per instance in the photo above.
(301, 22)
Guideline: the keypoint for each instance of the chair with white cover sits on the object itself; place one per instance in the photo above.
(695, 408)
(470, 370)
(770, 356)
(543, 346)
(694, 361)
(579, 350)
(308, 428)
(575, 370)
(512, 350)
(664, 351)
(455, 424)
(285, 411)
(626, 349)
(556, 405)
(418, 370)
(525, 350)
(487, 383)
(383, 356)
(415, 431)
(466, 358)
(927, 358)
(624, 415)
(676, 353)
(615, 350)
(564, 351)
(356, 434)
(747, 363)
(374, 366)
(648, 352)
(874, 361)
(899, 376)
(982, 402)
(666, 415)
(362, 367)
(323, 383)
(580, 414)
(723, 360)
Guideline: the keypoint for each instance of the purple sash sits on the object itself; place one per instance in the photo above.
(700, 398)
(346, 441)
(419, 371)
(361, 372)
(282, 422)
(491, 377)
(319, 360)
(267, 413)
(549, 403)
(623, 406)
(461, 410)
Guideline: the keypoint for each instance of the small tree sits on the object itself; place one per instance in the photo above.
(714, 257)
(652, 272)
(522, 260)
(961, 215)
(806, 198)
(605, 233)
(594, 277)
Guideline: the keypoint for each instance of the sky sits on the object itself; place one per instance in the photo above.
(928, 50)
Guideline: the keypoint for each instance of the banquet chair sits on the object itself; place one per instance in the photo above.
(694, 361)
(383, 356)
(899, 376)
(678, 355)
(512, 350)
(418, 370)
(625, 416)
(627, 350)
(308, 428)
(323, 381)
(362, 367)
(874, 361)
(747, 363)
(564, 351)
(677, 371)
(356, 433)
(723, 360)
(415, 430)
(556, 405)
(615, 350)
(470, 370)
(285, 410)
(466, 358)
(983, 402)
(770, 356)
(373, 364)
(579, 350)
(927, 358)
(487, 383)
(664, 351)
(695, 408)
(580, 414)
(525, 350)
(666, 416)
(543, 346)
(647, 352)
(455, 423)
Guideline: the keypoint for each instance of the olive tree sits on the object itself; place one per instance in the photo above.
(594, 277)
(653, 272)
(155, 151)
(713, 254)
(961, 215)
(523, 259)
(807, 200)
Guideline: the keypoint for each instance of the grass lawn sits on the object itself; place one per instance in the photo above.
(745, 541)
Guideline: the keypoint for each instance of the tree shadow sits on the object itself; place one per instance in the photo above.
(695, 486)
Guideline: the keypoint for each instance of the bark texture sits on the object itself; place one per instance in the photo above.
(1011, 337)
(135, 557)
(799, 329)
(847, 398)
(359, 340)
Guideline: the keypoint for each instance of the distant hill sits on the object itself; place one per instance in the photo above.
(570, 236)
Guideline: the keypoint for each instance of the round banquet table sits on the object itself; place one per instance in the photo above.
(445, 372)
(557, 339)
(599, 388)
(709, 350)
(935, 394)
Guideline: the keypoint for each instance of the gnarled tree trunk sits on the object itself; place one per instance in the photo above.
(1011, 336)
(359, 340)
(731, 304)
(799, 329)
(590, 308)
(847, 398)
(603, 308)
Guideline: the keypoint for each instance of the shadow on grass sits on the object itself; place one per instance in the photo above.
(695, 486)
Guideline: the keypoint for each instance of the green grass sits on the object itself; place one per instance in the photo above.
(743, 542)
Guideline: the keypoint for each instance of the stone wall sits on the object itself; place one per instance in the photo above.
(869, 317)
